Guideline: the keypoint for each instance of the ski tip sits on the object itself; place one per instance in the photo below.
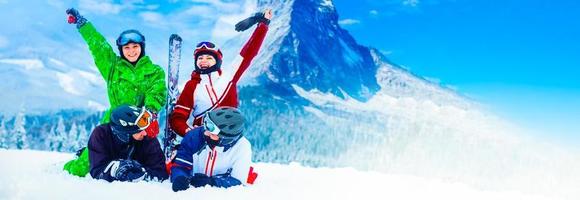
(175, 37)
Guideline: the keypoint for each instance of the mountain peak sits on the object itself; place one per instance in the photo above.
(312, 51)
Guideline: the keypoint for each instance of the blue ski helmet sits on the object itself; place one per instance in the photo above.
(131, 36)
(123, 120)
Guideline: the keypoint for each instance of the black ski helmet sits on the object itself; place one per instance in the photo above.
(230, 121)
(130, 36)
(122, 119)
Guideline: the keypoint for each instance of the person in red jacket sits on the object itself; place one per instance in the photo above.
(209, 88)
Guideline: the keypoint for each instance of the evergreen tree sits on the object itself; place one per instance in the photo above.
(83, 138)
(71, 139)
(50, 141)
(3, 135)
(19, 132)
(60, 136)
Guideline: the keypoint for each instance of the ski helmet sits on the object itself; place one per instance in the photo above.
(227, 122)
(125, 121)
(131, 36)
(207, 48)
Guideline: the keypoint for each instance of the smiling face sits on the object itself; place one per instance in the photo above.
(205, 61)
(132, 51)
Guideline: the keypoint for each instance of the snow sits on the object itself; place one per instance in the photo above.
(37, 175)
(428, 138)
(326, 3)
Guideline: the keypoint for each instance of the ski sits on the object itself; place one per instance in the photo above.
(172, 93)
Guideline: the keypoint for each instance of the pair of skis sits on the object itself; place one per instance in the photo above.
(169, 140)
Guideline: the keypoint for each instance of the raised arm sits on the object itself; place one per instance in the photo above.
(252, 46)
(102, 52)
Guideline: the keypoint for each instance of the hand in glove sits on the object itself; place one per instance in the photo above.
(180, 183)
(75, 18)
(153, 129)
(200, 180)
(126, 170)
(250, 21)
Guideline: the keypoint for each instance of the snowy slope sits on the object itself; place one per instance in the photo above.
(37, 175)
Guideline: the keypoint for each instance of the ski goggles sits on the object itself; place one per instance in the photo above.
(144, 119)
(210, 126)
(130, 36)
(206, 45)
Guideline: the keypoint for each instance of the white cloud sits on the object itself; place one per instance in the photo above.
(203, 11)
(96, 105)
(3, 42)
(28, 64)
(374, 12)
(152, 7)
(412, 3)
(220, 6)
(153, 18)
(100, 7)
(223, 30)
(67, 83)
(93, 78)
(104, 7)
(57, 62)
(346, 22)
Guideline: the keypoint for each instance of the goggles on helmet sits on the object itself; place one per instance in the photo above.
(210, 125)
(129, 37)
(144, 119)
(206, 45)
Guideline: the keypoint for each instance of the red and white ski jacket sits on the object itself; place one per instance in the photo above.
(205, 92)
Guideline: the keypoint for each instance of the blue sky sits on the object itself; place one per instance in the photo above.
(518, 57)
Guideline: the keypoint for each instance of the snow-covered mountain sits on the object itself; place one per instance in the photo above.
(314, 96)
(307, 53)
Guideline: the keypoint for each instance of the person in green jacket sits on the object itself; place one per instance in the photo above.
(131, 77)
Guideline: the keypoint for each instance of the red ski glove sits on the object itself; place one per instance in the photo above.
(252, 176)
(153, 129)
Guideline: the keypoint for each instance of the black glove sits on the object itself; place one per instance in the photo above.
(135, 175)
(200, 180)
(75, 18)
(180, 183)
(130, 170)
(250, 21)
